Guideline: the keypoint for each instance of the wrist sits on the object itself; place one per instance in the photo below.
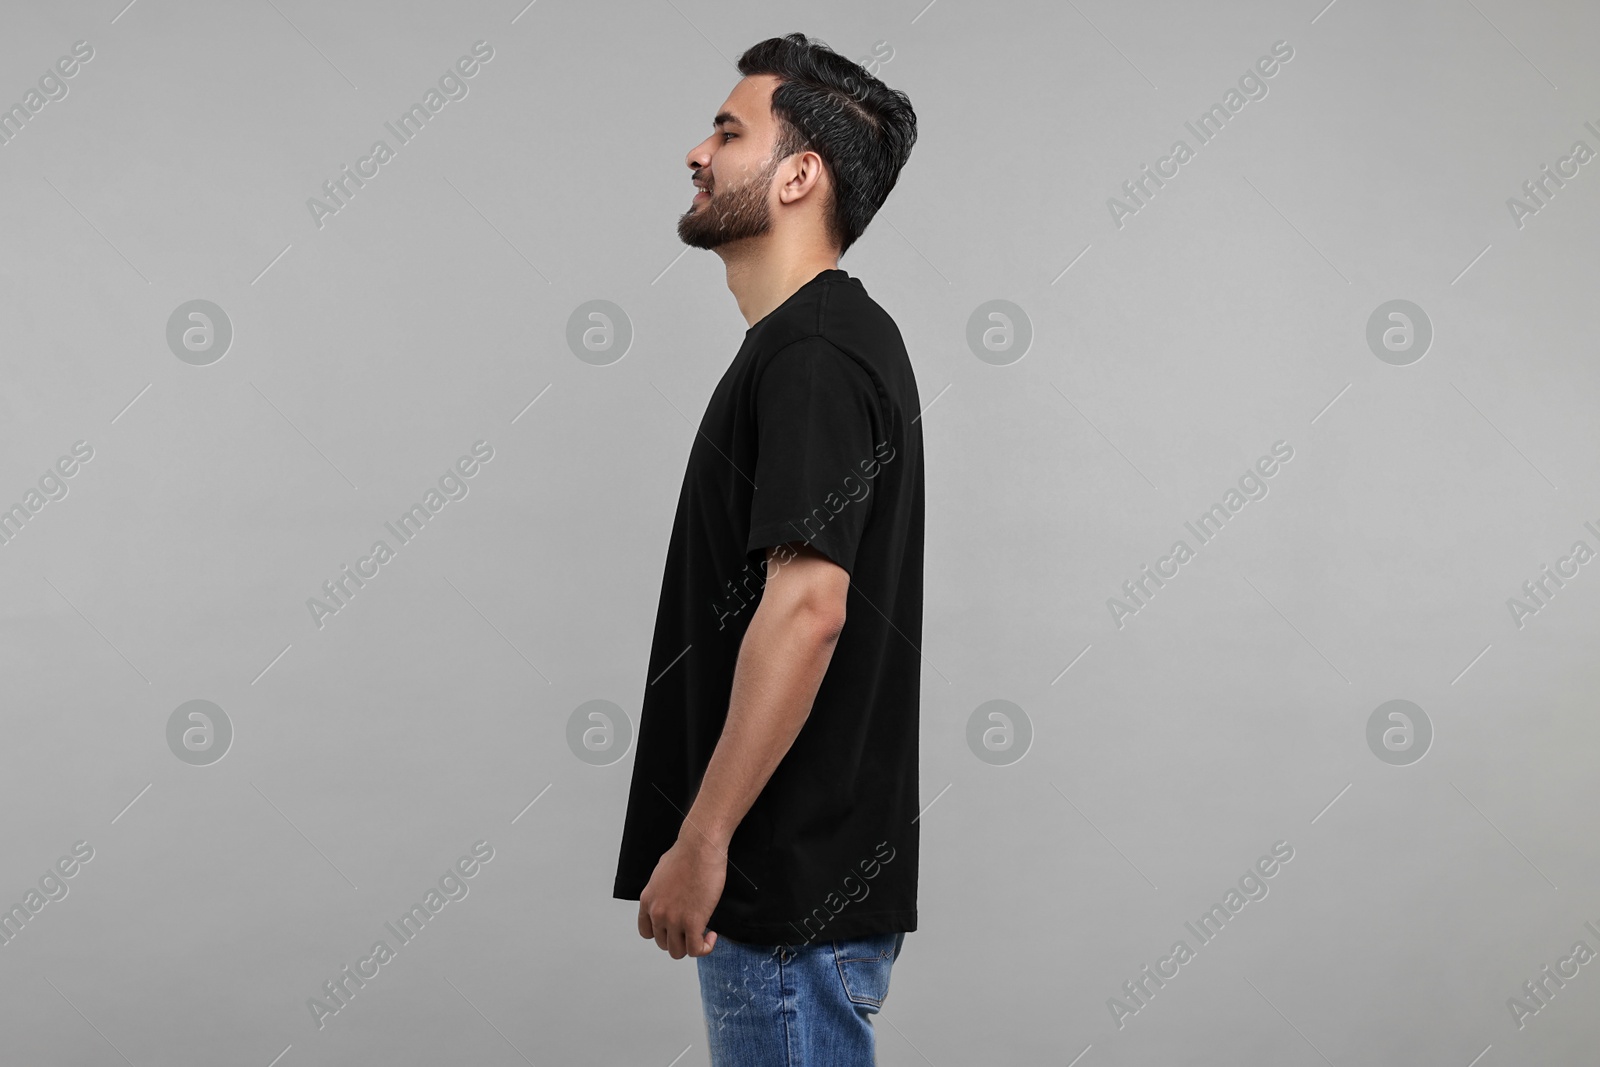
(701, 834)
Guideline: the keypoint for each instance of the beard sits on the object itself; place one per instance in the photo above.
(730, 214)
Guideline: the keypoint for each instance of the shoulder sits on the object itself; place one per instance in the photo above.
(814, 358)
(838, 332)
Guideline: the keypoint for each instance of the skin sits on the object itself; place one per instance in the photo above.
(766, 219)
(782, 659)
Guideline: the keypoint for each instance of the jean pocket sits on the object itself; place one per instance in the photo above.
(864, 964)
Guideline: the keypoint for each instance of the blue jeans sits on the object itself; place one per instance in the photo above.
(795, 1006)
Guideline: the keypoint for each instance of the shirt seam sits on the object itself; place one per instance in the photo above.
(880, 391)
(883, 393)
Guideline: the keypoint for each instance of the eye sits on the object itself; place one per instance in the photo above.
(726, 135)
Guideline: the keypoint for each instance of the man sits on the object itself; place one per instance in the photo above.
(769, 829)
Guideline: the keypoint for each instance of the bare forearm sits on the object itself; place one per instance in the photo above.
(782, 660)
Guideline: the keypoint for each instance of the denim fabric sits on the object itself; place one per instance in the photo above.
(795, 1005)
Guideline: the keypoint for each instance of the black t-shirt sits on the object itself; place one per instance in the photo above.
(812, 435)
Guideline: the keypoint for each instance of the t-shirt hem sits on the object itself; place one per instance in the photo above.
(861, 924)
(783, 533)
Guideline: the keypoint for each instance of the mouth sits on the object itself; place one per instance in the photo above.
(701, 195)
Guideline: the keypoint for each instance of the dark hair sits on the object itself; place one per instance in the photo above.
(862, 129)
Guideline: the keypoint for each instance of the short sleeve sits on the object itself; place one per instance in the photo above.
(818, 423)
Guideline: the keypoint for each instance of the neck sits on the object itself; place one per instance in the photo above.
(762, 277)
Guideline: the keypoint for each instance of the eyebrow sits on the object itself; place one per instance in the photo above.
(726, 118)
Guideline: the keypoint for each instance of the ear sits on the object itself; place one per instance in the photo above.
(806, 177)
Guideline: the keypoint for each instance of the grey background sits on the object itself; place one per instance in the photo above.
(369, 354)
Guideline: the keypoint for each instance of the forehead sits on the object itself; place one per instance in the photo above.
(750, 103)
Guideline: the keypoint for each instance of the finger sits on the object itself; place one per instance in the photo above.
(662, 931)
(645, 929)
(701, 946)
(676, 940)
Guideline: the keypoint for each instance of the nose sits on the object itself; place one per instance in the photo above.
(699, 157)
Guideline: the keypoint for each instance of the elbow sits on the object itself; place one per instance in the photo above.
(829, 625)
(819, 619)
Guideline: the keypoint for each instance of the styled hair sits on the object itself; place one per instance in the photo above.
(862, 129)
